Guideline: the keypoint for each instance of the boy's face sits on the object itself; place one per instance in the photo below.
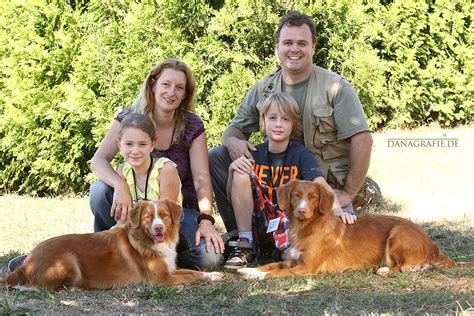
(278, 125)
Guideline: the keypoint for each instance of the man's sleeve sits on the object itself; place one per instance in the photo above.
(348, 112)
(247, 117)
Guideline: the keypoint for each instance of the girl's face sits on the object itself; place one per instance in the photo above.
(135, 146)
(278, 125)
(169, 90)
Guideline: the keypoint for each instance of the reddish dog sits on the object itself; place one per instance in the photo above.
(140, 251)
(322, 243)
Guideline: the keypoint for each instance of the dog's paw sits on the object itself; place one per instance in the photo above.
(252, 273)
(213, 276)
(383, 271)
(291, 254)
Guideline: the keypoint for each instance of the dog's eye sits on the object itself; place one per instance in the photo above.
(147, 219)
(296, 195)
(311, 196)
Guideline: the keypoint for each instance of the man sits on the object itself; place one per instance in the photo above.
(334, 125)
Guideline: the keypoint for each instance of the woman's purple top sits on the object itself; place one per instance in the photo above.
(179, 154)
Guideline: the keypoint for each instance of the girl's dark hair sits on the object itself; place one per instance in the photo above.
(138, 121)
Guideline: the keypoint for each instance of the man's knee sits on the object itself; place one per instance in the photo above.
(218, 156)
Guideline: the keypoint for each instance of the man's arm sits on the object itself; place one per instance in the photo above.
(359, 160)
(237, 143)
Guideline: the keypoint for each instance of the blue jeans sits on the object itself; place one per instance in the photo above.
(189, 255)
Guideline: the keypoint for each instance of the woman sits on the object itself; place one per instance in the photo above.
(167, 97)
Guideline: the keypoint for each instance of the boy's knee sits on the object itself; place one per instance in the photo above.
(239, 180)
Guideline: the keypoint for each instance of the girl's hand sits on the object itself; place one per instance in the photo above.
(242, 165)
(210, 234)
(121, 203)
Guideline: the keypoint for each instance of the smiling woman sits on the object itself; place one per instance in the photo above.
(167, 98)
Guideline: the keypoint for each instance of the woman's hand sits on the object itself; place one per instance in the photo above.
(121, 203)
(242, 165)
(210, 234)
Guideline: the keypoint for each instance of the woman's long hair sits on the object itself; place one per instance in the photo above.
(145, 103)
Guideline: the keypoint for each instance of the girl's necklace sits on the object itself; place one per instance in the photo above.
(146, 182)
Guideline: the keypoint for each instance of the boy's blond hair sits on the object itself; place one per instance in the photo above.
(285, 104)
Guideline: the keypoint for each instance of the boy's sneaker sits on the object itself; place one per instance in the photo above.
(242, 253)
(16, 262)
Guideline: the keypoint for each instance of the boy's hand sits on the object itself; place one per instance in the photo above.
(242, 165)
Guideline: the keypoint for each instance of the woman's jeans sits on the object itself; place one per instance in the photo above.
(189, 255)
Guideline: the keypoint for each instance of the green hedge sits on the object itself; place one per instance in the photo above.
(68, 66)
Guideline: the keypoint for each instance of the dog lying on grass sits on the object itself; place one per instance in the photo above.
(322, 243)
(140, 251)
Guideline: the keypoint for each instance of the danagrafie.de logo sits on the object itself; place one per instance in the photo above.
(423, 142)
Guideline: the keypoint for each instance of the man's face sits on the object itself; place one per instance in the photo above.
(295, 49)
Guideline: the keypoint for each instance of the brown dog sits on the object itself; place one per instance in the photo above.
(322, 243)
(140, 251)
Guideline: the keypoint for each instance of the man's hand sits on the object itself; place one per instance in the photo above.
(343, 197)
(238, 148)
(237, 143)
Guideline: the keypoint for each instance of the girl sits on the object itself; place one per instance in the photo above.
(167, 98)
(253, 182)
(147, 178)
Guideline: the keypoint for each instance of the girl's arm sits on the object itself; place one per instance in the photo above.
(202, 182)
(100, 165)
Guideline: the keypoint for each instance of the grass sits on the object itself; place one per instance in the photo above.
(432, 187)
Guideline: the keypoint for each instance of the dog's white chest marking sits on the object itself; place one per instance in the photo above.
(168, 253)
(252, 273)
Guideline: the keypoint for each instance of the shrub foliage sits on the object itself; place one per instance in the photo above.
(68, 66)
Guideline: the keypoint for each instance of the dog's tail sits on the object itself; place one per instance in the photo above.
(464, 264)
(441, 260)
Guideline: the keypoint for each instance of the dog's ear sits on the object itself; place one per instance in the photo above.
(175, 210)
(326, 195)
(135, 215)
(284, 195)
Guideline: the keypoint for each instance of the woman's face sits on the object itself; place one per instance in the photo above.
(169, 90)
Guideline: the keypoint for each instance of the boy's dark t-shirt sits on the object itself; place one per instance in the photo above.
(274, 170)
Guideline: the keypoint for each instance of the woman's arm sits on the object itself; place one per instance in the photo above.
(100, 165)
(202, 182)
(168, 182)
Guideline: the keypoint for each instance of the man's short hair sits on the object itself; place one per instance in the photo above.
(295, 18)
